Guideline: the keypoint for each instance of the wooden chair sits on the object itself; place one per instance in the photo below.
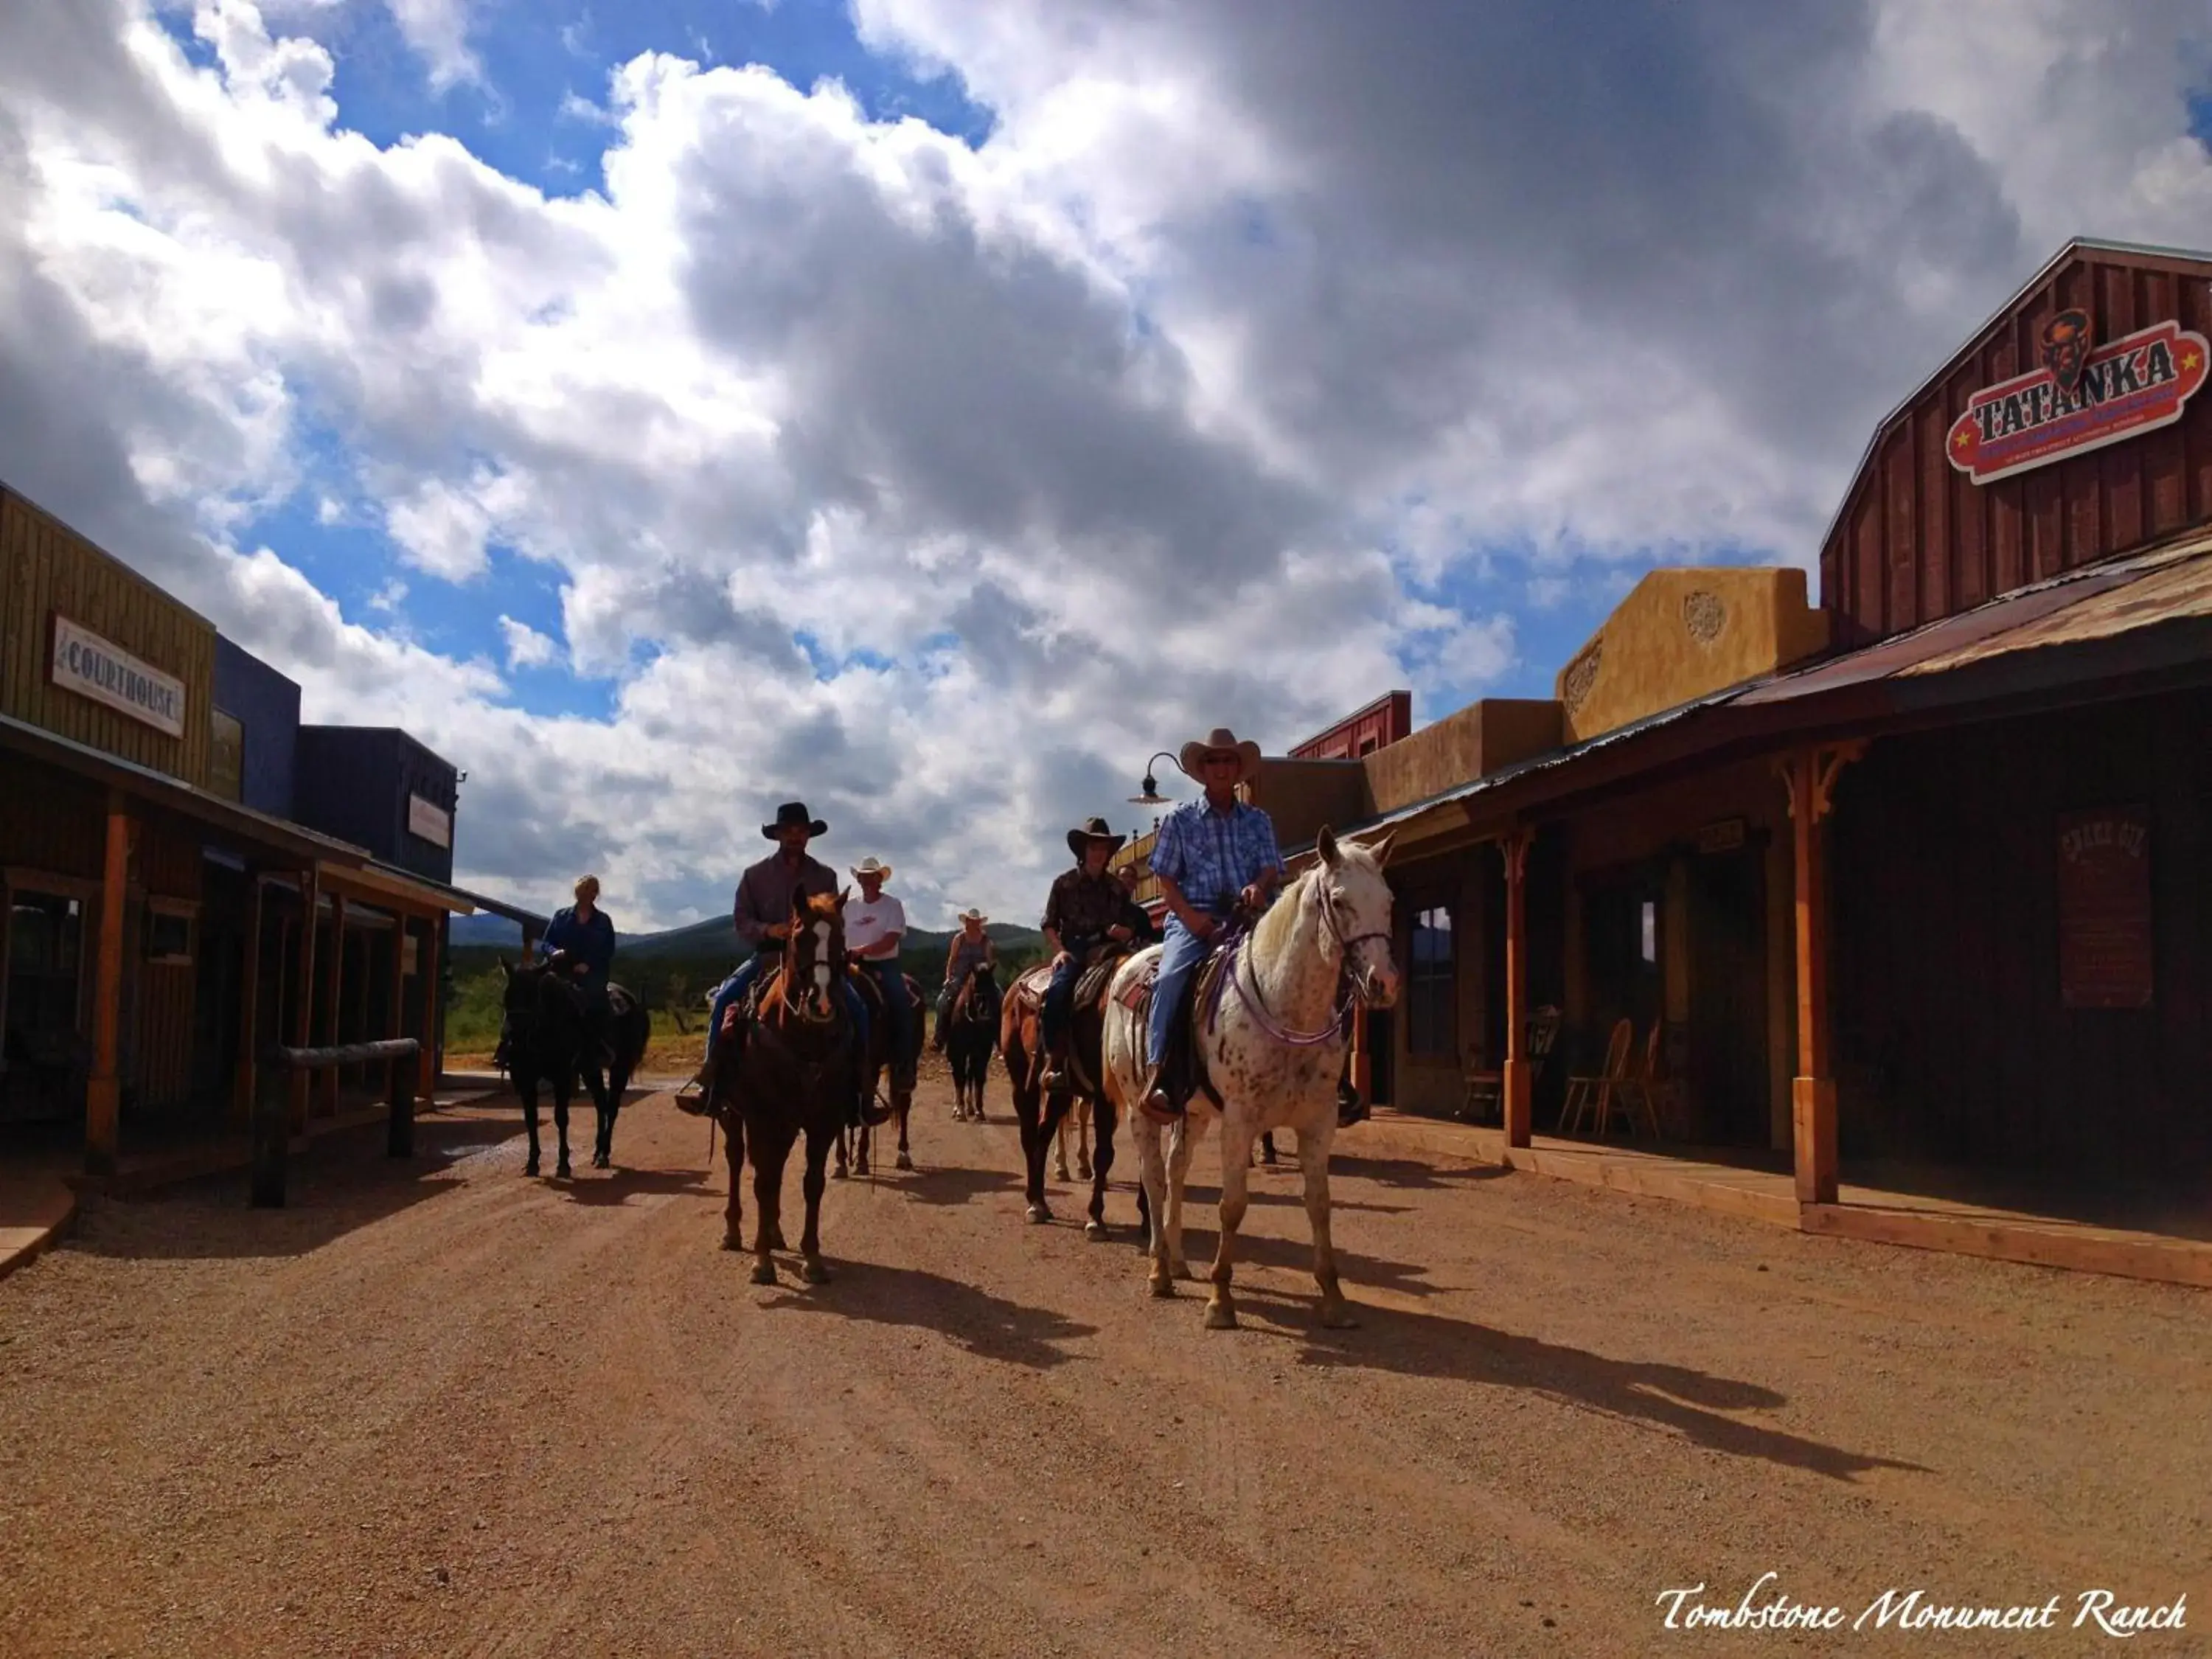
(1485, 1089)
(1597, 1093)
(1651, 1089)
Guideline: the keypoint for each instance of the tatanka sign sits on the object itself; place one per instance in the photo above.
(92, 667)
(2080, 399)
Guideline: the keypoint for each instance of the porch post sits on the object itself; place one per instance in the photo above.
(397, 1014)
(103, 1092)
(303, 1016)
(1359, 1051)
(426, 1083)
(1520, 1077)
(249, 1008)
(1809, 776)
(334, 983)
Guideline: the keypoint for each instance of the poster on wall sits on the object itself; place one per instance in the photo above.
(2104, 933)
(432, 823)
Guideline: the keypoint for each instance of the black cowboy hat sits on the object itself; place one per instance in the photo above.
(795, 813)
(1092, 830)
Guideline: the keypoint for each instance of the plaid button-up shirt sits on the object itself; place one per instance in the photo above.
(1213, 856)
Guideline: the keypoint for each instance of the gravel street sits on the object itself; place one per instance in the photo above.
(437, 1408)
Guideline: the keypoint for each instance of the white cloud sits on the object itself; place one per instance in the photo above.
(1141, 416)
(525, 646)
(438, 30)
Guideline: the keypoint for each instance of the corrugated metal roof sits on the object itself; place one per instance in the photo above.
(2099, 602)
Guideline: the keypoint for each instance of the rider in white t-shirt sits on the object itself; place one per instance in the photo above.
(874, 924)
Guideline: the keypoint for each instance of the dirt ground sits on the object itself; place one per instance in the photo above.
(437, 1408)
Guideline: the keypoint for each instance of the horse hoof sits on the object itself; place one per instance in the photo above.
(1061, 1174)
(1038, 1213)
(1220, 1316)
(531, 1168)
(837, 1173)
(775, 1241)
(1083, 1172)
(1163, 1288)
(905, 1162)
(764, 1273)
(1337, 1316)
(601, 1161)
(732, 1242)
(562, 1172)
(813, 1271)
(1094, 1231)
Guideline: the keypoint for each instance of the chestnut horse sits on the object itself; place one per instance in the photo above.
(1020, 1041)
(797, 1073)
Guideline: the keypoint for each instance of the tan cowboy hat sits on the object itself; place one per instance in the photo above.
(872, 866)
(973, 915)
(1194, 752)
(1092, 830)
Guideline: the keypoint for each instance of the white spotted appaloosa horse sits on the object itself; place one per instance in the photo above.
(1273, 1051)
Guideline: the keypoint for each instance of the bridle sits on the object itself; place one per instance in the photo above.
(1359, 990)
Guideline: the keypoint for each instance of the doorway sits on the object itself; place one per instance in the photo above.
(1727, 997)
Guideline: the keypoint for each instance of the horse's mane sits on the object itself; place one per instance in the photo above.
(1271, 935)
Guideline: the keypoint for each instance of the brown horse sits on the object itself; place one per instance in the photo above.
(797, 1073)
(895, 1073)
(1020, 1041)
(971, 1035)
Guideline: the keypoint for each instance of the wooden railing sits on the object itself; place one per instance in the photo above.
(272, 1126)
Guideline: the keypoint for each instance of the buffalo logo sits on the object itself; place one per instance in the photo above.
(2066, 348)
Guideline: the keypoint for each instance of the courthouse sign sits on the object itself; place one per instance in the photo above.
(2080, 399)
(93, 667)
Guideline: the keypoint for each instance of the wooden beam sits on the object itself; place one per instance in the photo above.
(334, 997)
(249, 1009)
(1520, 1075)
(426, 1076)
(1809, 777)
(1360, 1070)
(303, 1014)
(396, 1015)
(103, 1095)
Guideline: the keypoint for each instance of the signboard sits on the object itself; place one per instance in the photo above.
(92, 667)
(409, 951)
(432, 823)
(2080, 399)
(2104, 909)
(1721, 836)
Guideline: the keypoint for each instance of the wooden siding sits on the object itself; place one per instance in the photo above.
(1915, 540)
(47, 569)
(1951, 1041)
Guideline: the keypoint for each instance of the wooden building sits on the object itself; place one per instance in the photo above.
(1912, 877)
(159, 932)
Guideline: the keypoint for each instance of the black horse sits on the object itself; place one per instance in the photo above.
(971, 1038)
(545, 1037)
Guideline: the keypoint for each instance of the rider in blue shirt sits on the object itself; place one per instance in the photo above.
(585, 935)
(1211, 855)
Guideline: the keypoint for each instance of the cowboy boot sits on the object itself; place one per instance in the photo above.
(1155, 1101)
(1054, 1078)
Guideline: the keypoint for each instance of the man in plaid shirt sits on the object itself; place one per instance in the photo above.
(1211, 856)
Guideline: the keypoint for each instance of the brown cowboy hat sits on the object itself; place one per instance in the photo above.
(1092, 830)
(792, 813)
(1221, 738)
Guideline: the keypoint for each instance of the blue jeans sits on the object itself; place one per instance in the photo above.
(898, 1010)
(1181, 951)
(739, 983)
(1060, 1003)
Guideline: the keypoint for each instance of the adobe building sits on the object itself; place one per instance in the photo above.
(1903, 889)
(172, 908)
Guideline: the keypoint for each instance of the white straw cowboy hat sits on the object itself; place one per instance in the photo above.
(872, 866)
(1194, 752)
(1092, 830)
(973, 915)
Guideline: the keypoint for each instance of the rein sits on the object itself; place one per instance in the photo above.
(1250, 994)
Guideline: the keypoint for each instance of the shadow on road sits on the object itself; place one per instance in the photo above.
(621, 1185)
(1412, 1173)
(1676, 1397)
(987, 1326)
(340, 1183)
(955, 1184)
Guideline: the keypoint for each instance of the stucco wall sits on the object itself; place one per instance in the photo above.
(1478, 740)
(1681, 633)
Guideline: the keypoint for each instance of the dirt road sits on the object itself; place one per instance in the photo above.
(442, 1409)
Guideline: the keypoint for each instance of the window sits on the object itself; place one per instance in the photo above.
(226, 757)
(1649, 918)
(1431, 989)
(168, 933)
(43, 940)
